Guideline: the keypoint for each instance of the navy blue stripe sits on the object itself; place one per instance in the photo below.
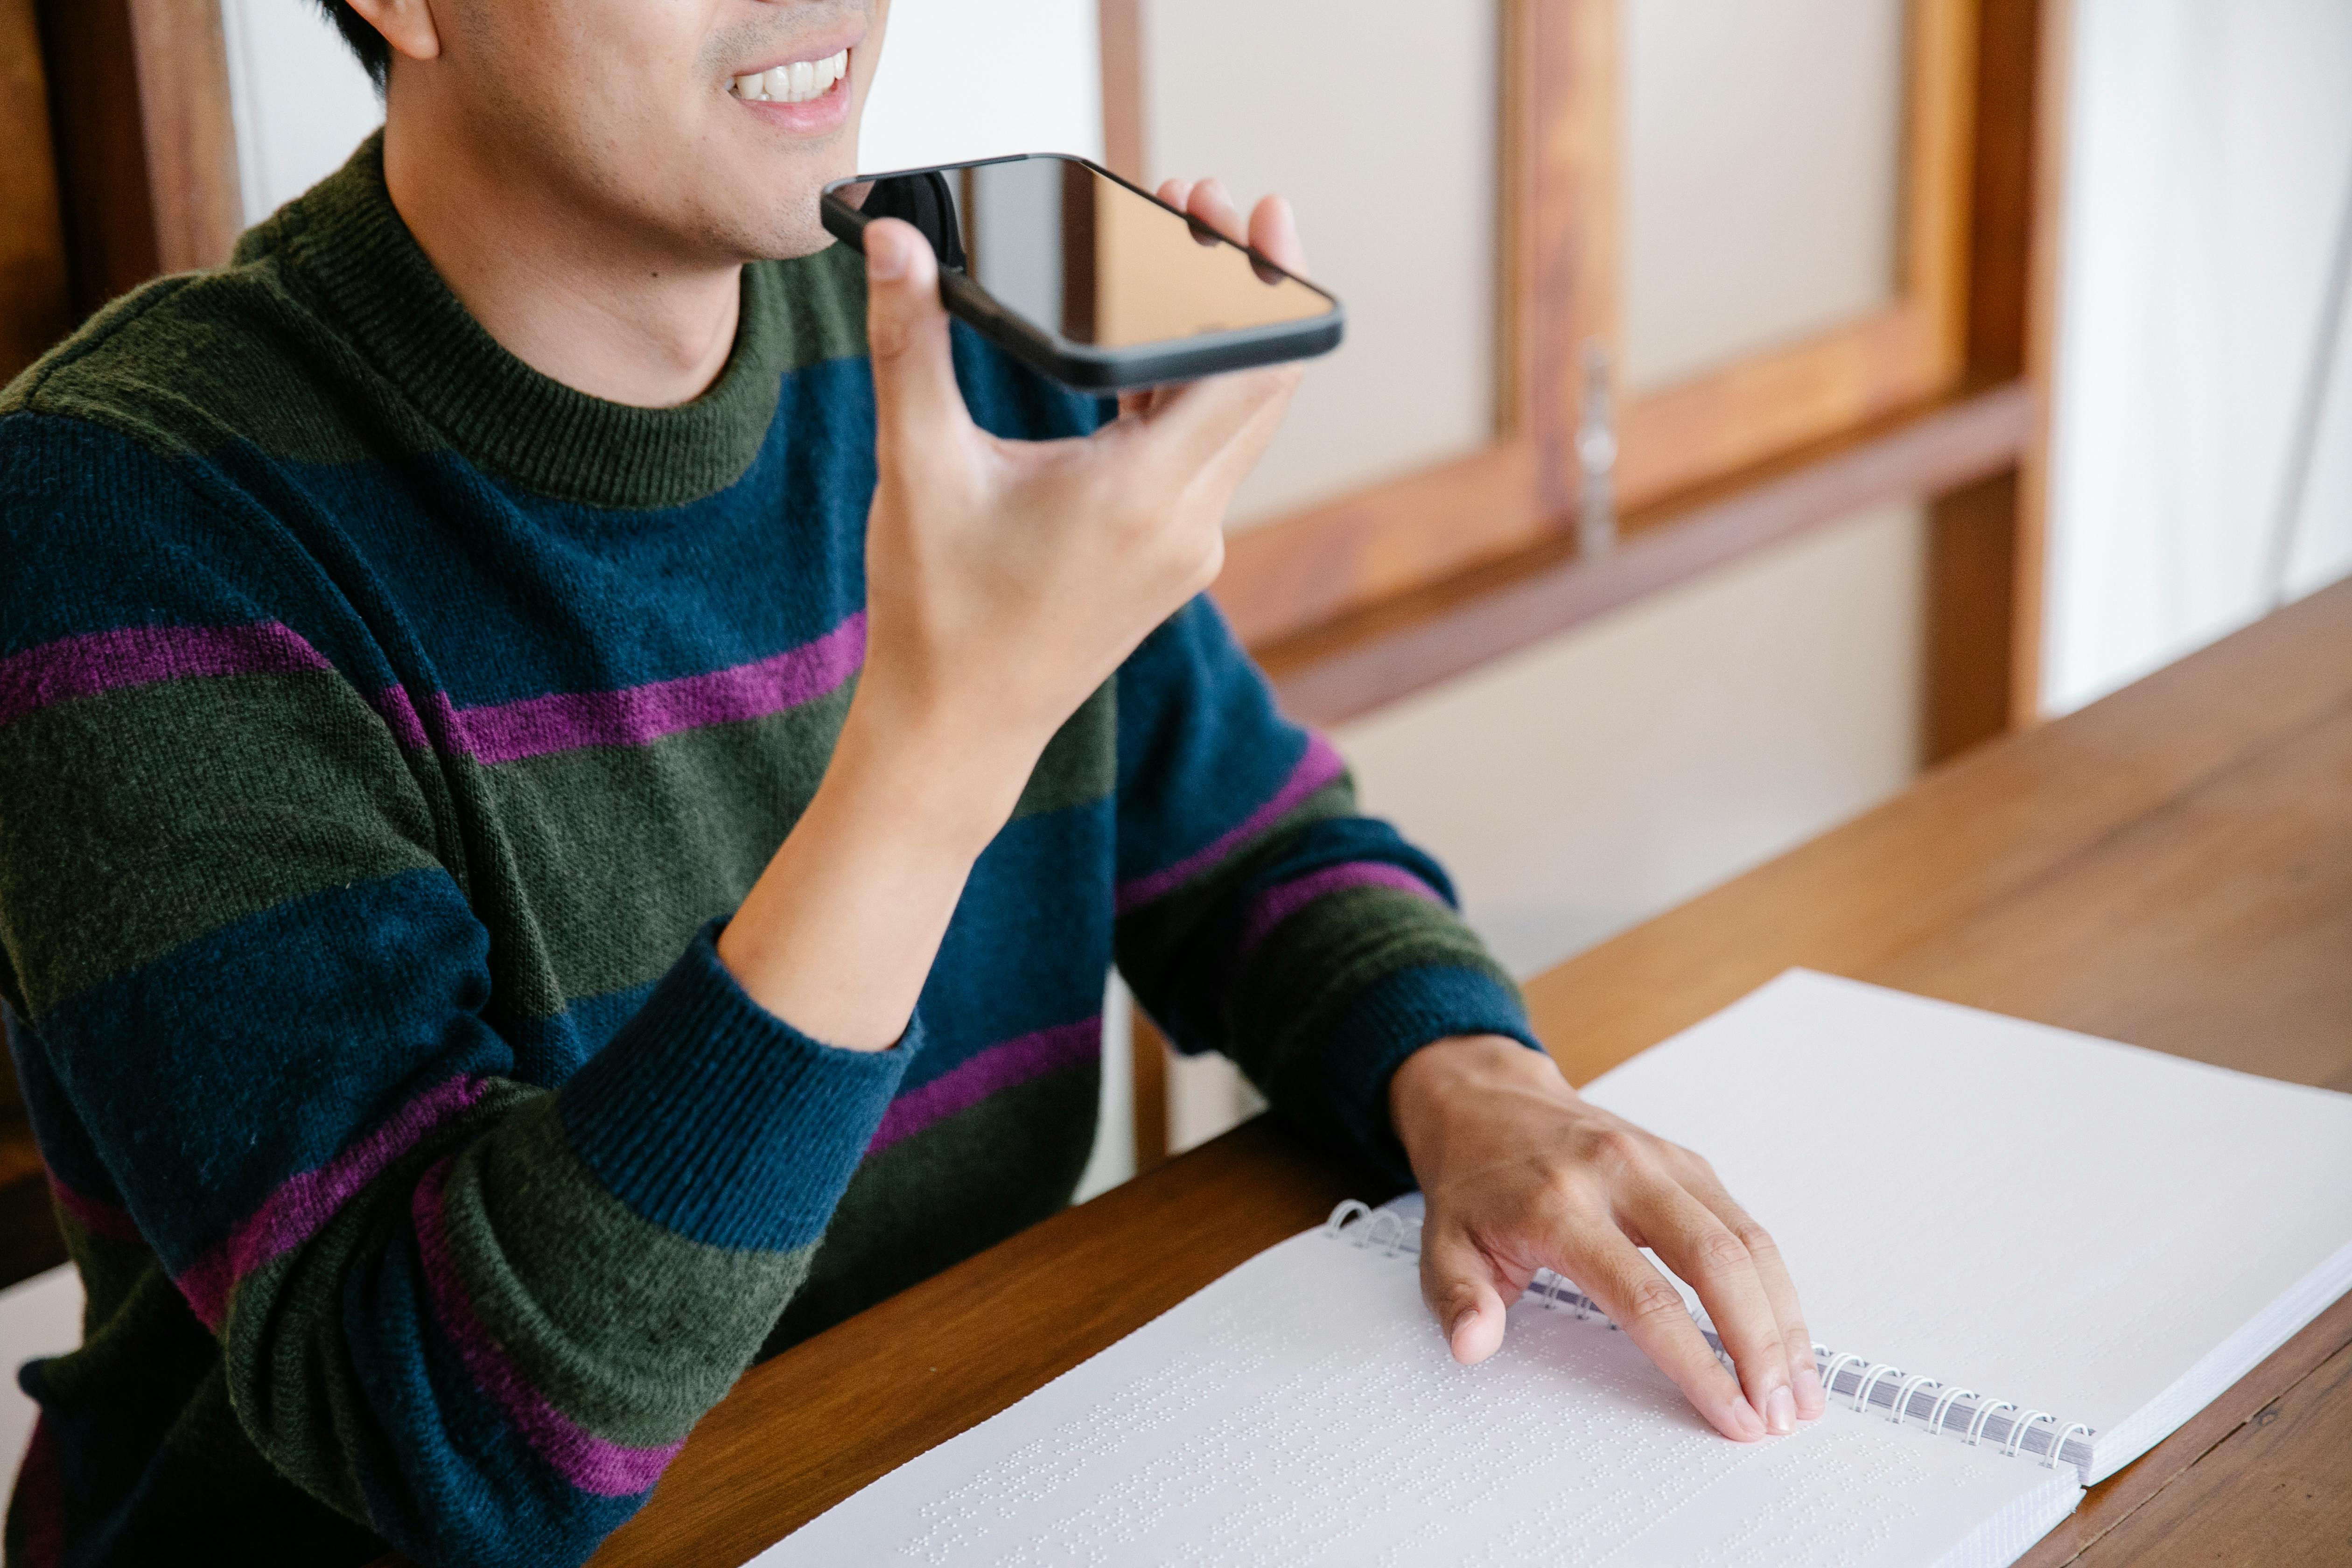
(1030, 944)
(279, 1037)
(1341, 1071)
(507, 594)
(1200, 743)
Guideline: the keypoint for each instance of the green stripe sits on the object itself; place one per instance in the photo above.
(949, 1191)
(331, 340)
(114, 1271)
(1328, 953)
(623, 852)
(219, 798)
(630, 1328)
(1080, 763)
(620, 852)
(1152, 940)
(136, 821)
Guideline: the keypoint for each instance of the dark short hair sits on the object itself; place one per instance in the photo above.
(364, 40)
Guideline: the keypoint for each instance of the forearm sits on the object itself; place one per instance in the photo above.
(841, 930)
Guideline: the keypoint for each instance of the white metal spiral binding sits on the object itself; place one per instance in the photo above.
(2059, 1442)
(1870, 1381)
(1385, 1229)
(2021, 1424)
(1916, 1381)
(1961, 1411)
(1984, 1414)
(1395, 1235)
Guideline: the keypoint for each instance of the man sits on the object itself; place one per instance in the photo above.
(560, 823)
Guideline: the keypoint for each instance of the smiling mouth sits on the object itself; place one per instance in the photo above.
(801, 81)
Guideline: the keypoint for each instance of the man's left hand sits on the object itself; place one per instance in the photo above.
(1519, 1172)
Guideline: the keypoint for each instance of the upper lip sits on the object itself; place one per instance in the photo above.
(845, 39)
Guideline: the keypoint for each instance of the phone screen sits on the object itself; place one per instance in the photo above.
(1079, 255)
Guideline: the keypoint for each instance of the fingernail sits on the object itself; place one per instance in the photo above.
(886, 255)
(1744, 1423)
(1462, 1319)
(1780, 1412)
(1809, 1386)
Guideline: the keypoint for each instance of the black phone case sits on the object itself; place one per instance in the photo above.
(1083, 366)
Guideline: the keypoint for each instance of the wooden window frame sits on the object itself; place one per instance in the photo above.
(1978, 163)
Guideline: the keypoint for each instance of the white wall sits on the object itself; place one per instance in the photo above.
(972, 78)
(2210, 160)
(1378, 123)
(1596, 779)
(1761, 182)
(38, 1316)
(299, 98)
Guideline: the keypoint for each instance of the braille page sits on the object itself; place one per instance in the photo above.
(1304, 1410)
(2106, 1234)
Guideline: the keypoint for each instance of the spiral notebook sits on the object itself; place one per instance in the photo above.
(2030, 1254)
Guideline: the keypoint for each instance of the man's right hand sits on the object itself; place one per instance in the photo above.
(1006, 579)
(1004, 582)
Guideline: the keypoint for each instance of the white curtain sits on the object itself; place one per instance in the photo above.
(2211, 158)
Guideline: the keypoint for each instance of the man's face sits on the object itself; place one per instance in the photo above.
(705, 127)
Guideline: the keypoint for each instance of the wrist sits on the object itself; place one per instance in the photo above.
(948, 782)
(1458, 1070)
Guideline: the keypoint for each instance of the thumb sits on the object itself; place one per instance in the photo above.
(907, 329)
(1458, 1282)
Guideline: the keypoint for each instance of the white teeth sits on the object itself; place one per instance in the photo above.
(795, 83)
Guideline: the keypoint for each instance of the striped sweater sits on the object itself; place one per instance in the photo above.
(385, 731)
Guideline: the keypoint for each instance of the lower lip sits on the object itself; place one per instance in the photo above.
(810, 117)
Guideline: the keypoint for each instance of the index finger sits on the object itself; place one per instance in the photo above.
(1640, 1300)
(1778, 1288)
(1697, 1244)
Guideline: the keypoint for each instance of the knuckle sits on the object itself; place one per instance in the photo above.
(1617, 1149)
(1568, 1188)
(1722, 1251)
(1756, 1239)
(1655, 1301)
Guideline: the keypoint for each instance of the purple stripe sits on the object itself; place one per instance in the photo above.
(142, 656)
(293, 1212)
(1318, 767)
(588, 1462)
(565, 721)
(1279, 902)
(994, 1068)
(94, 1214)
(400, 716)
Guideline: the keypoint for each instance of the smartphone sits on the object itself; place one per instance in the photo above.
(1097, 283)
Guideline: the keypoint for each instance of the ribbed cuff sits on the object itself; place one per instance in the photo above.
(711, 1116)
(1342, 1069)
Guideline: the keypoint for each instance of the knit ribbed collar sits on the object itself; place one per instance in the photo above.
(348, 243)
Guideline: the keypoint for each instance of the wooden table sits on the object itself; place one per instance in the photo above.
(2171, 867)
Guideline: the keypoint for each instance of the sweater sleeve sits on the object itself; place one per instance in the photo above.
(475, 1312)
(1260, 916)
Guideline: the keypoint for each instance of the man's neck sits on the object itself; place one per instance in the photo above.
(577, 300)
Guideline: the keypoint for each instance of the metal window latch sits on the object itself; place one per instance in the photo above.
(1596, 455)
